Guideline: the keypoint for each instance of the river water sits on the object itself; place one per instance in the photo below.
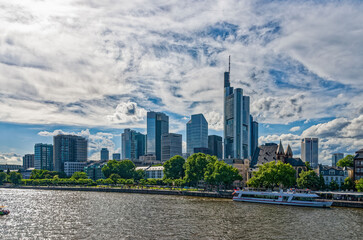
(43, 214)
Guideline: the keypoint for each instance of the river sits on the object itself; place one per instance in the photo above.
(46, 214)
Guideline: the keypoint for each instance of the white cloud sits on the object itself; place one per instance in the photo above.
(128, 112)
(11, 158)
(295, 129)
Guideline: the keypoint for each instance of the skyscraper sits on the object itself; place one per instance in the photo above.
(116, 156)
(171, 145)
(43, 156)
(215, 146)
(157, 125)
(254, 135)
(28, 161)
(133, 144)
(197, 133)
(68, 148)
(105, 154)
(309, 151)
(335, 158)
(237, 124)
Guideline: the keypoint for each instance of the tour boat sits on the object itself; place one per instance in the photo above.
(281, 198)
(3, 211)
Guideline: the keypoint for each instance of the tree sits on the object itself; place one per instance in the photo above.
(139, 174)
(15, 177)
(174, 167)
(114, 177)
(272, 175)
(308, 179)
(219, 172)
(195, 167)
(348, 184)
(308, 167)
(359, 185)
(125, 168)
(321, 182)
(333, 185)
(79, 175)
(2, 177)
(347, 161)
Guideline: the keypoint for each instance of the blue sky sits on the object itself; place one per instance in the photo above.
(94, 68)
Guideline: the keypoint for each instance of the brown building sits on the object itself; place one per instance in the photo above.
(358, 165)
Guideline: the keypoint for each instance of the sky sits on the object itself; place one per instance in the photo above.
(94, 68)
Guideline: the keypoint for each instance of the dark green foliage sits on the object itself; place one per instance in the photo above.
(272, 174)
(45, 174)
(174, 167)
(139, 174)
(219, 172)
(2, 177)
(348, 184)
(333, 185)
(359, 185)
(347, 161)
(79, 175)
(15, 177)
(114, 177)
(309, 179)
(125, 169)
(195, 167)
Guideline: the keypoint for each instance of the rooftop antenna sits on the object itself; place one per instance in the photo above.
(229, 64)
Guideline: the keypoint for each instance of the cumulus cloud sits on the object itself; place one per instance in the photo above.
(11, 158)
(295, 129)
(96, 141)
(105, 63)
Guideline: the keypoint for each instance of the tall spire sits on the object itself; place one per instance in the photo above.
(229, 64)
(280, 149)
(226, 75)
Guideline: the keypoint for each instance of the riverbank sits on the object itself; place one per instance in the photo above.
(221, 194)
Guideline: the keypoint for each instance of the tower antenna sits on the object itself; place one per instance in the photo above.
(229, 64)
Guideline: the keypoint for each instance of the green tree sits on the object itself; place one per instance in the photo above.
(174, 167)
(272, 175)
(125, 168)
(321, 182)
(347, 161)
(308, 179)
(195, 167)
(219, 172)
(79, 175)
(2, 177)
(359, 185)
(114, 177)
(139, 174)
(308, 167)
(333, 185)
(348, 184)
(15, 177)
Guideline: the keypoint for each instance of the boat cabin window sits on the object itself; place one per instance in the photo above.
(261, 196)
(303, 198)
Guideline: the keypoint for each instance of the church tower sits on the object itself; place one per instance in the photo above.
(280, 154)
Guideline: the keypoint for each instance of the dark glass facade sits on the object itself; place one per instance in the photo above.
(215, 146)
(133, 144)
(28, 161)
(197, 133)
(43, 156)
(171, 145)
(104, 154)
(157, 125)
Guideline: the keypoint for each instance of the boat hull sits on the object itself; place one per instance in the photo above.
(292, 203)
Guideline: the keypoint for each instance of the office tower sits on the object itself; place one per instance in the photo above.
(68, 148)
(237, 133)
(157, 125)
(215, 146)
(116, 156)
(197, 133)
(171, 145)
(43, 156)
(335, 158)
(28, 161)
(309, 151)
(105, 154)
(254, 135)
(133, 144)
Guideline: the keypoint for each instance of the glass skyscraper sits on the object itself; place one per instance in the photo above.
(237, 122)
(254, 135)
(197, 133)
(171, 145)
(105, 154)
(157, 125)
(309, 151)
(335, 158)
(215, 146)
(68, 148)
(28, 161)
(43, 156)
(133, 144)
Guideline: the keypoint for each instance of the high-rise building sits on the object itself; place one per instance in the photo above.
(254, 135)
(171, 145)
(335, 158)
(310, 151)
(116, 156)
(43, 156)
(157, 125)
(133, 144)
(28, 161)
(215, 146)
(68, 148)
(197, 133)
(237, 132)
(105, 154)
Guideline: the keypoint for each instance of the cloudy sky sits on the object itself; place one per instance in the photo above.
(94, 68)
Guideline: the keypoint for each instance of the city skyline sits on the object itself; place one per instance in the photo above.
(300, 63)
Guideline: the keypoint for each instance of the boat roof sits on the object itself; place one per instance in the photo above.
(279, 194)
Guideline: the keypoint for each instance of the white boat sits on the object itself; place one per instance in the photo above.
(281, 198)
